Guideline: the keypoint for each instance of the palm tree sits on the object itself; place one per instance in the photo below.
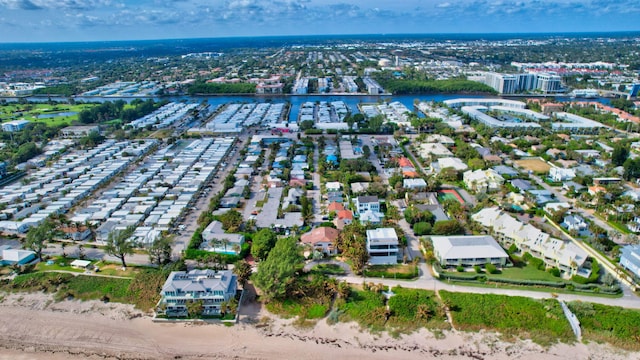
(225, 242)
(423, 312)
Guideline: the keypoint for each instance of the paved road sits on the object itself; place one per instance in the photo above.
(426, 281)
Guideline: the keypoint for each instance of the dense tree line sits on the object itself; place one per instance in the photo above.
(23, 145)
(117, 110)
(210, 88)
(451, 86)
(62, 89)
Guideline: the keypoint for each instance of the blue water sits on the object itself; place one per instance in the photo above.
(53, 115)
(351, 101)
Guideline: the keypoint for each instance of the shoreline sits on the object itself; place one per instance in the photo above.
(72, 329)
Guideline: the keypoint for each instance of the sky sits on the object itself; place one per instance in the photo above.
(99, 20)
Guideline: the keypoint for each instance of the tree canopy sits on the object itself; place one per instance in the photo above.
(276, 274)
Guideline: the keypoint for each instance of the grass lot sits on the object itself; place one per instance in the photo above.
(611, 324)
(409, 310)
(400, 271)
(536, 165)
(514, 317)
(60, 263)
(96, 288)
(143, 290)
(30, 112)
(290, 308)
(329, 269)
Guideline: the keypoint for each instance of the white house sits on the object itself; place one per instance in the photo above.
(382, 246)
(564, 255)
(366, 203)
(483, 180)
(630, 258)
(209, 286)
(560, 174)
(468, 250)
(414, 184)
(574, 222)
(448, 162)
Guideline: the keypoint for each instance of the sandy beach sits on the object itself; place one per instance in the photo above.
(35, 327)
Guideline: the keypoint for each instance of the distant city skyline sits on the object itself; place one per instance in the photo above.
(101, 20)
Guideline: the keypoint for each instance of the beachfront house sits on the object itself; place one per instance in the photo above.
(468, 251)
(382, 246)
(210, 287)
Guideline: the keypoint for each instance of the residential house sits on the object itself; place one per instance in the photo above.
(522, 185)
(554, 207)
(483, 180)
(560, 174)
(634, 225)
(11, 256)
(541, 197)
(574, 222)
(76, 233)
(359, 187)
(504, 170)
(382, 246)
(414, 184)
(335, 206)
(366, 203)
(568, 185)
(216, 240)
(371, 217)
(333, 186)
(210, 287)
(322, 239)
(468, 251)
(630, 258)
(433, 150)
(448, 162)
(343, 217)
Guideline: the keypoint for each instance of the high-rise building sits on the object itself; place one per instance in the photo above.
(549, 83)
(502, 83)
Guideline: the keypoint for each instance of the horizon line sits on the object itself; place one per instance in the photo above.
(541, 34)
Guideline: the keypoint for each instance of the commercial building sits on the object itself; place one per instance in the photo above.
(15, 125)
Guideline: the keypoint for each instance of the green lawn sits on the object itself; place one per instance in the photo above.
(31, 111)
(528, 272)
(329, 269)
(60, 263)
(400, 271)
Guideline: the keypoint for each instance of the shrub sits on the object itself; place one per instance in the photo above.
(460, 268)
(477, 269)
(422, 228)
(554, 271)
(491, 269)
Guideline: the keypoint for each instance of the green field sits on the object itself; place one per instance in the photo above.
(31, 112)
(514, 317)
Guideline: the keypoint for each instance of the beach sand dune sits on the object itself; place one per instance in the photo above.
(35, 327)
